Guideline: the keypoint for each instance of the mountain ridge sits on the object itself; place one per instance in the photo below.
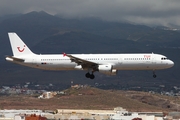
(45, 33)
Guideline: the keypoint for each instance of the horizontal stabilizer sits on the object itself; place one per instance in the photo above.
(14, 59)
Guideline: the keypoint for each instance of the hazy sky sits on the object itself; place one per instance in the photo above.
(137, 11)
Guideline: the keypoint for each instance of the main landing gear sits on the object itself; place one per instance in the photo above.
(91, 76)
(154, 75)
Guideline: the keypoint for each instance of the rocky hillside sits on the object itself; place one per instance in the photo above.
(93, 98)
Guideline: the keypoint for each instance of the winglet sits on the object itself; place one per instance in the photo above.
(64, 54)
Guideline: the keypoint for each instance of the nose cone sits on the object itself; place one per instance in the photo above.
(170, 63)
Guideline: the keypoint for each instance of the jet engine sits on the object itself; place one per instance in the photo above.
(107, 69)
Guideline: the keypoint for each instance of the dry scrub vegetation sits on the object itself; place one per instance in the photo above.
(93, 98)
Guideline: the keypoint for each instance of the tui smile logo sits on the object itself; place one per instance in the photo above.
(21, 49)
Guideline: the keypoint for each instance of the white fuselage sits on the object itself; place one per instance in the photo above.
(105, 63)
(118, 61)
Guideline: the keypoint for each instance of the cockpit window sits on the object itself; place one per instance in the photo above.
(163, 58)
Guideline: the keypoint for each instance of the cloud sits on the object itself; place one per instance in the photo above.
(137, 11)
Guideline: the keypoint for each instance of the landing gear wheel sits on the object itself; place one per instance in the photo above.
(154, 76)
(88, 75)
(92, 76)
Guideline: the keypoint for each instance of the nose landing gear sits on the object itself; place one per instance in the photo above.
(154, 75)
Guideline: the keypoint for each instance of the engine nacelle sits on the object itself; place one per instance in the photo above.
(78, 67)
(107, 69)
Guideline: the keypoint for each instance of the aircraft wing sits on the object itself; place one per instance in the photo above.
(84, 63)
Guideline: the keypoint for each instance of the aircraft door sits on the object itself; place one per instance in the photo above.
(153, 59)
(120, 60)
(34, 61)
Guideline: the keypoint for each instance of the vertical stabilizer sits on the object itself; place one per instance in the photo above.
(19, 48)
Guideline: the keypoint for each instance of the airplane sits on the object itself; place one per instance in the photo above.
(104, 63)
